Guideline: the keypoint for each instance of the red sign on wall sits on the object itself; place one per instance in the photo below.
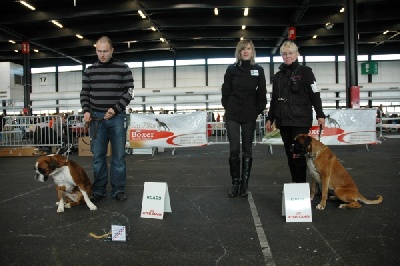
(25, 47)
(292, 33)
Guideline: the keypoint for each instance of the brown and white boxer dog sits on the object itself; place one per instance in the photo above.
(326, 169)
(72, 183)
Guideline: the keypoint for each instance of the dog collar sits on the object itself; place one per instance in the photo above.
(316, 154)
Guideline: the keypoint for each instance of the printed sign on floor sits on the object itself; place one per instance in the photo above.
(296, 203)
(118, 233)
(155, 200)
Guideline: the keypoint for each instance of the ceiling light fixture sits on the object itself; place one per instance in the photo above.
(11, 41)
(141, 13)
(342, 10)
(314, 37)
(36, 50)
(241, 38)
(329, 25)
(27, 5)
(16, 51)
(79, 36)
(129, 43)
(243, 27)
(162, 39)
(216, 11)
(386, 32)
(153, 28)
(246, 12)
(55, 22)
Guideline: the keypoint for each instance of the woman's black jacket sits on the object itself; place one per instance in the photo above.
(244, 92)
(294, 93)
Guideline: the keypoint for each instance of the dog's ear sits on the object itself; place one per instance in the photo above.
(52, 164)
(307, 141)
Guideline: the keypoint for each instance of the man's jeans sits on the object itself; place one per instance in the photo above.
(101, 132)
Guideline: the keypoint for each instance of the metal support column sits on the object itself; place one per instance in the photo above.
(350, 47)
(27, 78)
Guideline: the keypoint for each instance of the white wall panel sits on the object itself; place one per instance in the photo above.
(159, 77)
(216, 74)
(193, 77)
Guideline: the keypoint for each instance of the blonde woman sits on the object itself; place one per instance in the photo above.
(243, 98)
(294, 94)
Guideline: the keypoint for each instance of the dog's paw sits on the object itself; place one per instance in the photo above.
(57, 203)
(60, 209)
(92, 207)
(342, 206)
(320, 207)
(68, 205)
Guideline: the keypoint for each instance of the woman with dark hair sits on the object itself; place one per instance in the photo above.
(243, 98)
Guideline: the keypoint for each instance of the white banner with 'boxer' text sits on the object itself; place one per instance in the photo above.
(342, 127)
(167, 130)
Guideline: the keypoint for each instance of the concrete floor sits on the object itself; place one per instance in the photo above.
(205, 227)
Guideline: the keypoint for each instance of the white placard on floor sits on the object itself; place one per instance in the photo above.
(155, 200)
(296, 203)
(118, 233)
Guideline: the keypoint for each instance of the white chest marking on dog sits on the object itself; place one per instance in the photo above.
(62, 177)
(313, 170)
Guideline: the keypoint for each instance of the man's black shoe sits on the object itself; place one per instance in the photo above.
(96, 197)
(121, 196)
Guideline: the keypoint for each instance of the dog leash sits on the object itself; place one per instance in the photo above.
(320, 130)
(96, 128)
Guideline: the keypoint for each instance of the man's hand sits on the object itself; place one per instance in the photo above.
(110, 114)
(86, 117)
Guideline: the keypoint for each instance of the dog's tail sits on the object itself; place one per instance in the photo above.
(367, 201)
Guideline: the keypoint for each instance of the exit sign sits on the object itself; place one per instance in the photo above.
(369, 68)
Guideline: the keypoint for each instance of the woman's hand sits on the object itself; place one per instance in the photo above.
(268, 126)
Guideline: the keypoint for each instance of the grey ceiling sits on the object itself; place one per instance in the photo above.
(190, 28)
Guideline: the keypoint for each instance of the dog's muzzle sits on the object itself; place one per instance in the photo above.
(41, 178)
(297, 150)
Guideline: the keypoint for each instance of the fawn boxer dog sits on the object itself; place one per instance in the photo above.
(72, 183)
(326, 169)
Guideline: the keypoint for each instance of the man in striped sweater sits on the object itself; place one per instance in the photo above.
(107, 88)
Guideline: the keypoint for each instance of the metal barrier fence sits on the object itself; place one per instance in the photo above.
(216, 132)
(75, 128)
(37, 131)
(389, 122)
(55, 133)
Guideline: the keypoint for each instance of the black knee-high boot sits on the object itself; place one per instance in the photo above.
(246, 168)
(234, 164)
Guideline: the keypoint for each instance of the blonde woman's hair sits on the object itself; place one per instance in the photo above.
(290, 46)
(241, 46)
